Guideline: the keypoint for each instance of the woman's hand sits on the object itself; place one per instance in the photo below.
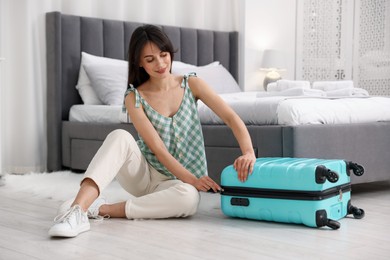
(205, 183)
(244, 166)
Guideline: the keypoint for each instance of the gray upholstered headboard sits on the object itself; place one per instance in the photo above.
(68, 35)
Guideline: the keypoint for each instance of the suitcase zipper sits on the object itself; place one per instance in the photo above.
(285, 194)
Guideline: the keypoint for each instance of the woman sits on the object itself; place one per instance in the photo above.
(166, 168)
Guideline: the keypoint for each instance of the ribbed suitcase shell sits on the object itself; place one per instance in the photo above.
(286, 190)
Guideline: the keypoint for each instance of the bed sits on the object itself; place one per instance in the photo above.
(72, 142)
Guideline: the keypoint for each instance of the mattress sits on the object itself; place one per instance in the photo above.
(268, 110)
(252, 110)
(97, 114)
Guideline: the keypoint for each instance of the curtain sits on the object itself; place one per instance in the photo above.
(23, 75)
(1, 84)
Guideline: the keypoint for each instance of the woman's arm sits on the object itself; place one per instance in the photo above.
(145, 128)
(244, 163)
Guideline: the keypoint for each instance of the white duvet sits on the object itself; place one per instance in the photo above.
(333, 111)
(255, 109)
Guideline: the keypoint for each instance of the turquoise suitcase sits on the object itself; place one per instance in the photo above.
(313, 192)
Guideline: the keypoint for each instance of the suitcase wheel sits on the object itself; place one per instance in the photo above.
(333, 224)
(323, 220)
(322, 173)
(357, 212)
(357, 169)
(332, 176)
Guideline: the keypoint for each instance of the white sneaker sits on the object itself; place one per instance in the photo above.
(93, 210)
(71, 223)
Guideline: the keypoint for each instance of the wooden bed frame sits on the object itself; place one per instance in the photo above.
(73, 144)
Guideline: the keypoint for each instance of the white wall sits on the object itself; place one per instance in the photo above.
(23, 123)
(261, 24)
(266, 25)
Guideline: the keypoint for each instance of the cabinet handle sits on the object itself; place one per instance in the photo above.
(339, 74)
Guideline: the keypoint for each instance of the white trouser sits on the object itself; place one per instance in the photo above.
(156, 195)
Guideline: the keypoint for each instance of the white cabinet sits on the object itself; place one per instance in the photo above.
(344, 39)
(372, 46)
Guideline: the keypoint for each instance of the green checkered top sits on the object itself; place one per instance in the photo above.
(181, 133)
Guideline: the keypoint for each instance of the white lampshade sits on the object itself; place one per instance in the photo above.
(273, 60)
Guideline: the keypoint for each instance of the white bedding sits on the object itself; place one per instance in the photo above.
(255, 109)
(97, 114)
(333, 111)
(251, 109)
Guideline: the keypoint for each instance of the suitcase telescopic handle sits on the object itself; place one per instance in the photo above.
(322, 174)
(357, 169)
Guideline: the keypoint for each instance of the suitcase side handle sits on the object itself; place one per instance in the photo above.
(322, 174)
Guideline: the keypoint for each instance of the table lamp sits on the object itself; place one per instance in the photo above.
(273, 63)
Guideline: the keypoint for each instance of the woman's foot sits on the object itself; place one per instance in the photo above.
(93, 210)
(70, 223)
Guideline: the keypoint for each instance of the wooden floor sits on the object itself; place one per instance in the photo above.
(25, 220)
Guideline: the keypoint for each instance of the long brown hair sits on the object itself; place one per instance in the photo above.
(140, 37)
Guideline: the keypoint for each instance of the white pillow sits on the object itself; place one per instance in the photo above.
(109, 81)
(217, 77)
(182, 65)
(87, 93)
